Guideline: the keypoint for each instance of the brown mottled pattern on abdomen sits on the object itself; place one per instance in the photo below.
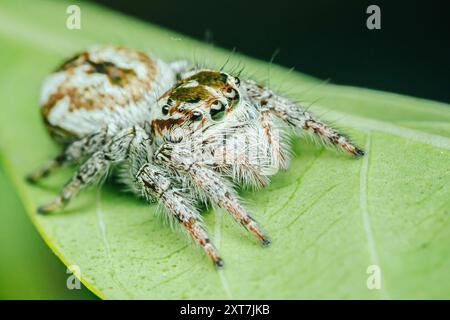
(131, 86)
(105, 78)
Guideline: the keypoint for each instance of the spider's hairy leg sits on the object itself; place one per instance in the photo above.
(273, 137)
(152, 182)
(236, 159)
(221, 193)
(93, 169)
(73, 153)
(298, 118)
(215, 187)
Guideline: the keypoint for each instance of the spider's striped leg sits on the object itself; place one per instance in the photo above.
(241, 166)
(214, 186)
(273, 138)
(218, 190)
(73, 153)
(252, 153)
(298, 118)
(93, 169)
(152, 182)
(88, 173)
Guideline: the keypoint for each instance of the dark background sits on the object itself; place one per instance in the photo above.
(324, 38)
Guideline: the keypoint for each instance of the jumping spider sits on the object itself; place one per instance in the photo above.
(175, 134)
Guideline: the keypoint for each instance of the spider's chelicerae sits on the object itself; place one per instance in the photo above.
(176, 134)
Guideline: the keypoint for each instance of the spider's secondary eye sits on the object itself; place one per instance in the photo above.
(169, 102)
(196, 115)
(165, 110)
(237, 81)
(230, 93)
(217, 110)
(217, 105)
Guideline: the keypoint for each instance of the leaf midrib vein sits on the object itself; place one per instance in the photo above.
(363, 195)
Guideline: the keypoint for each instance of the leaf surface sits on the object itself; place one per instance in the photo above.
(330, 217)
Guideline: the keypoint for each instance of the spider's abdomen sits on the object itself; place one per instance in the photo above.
(110, 86)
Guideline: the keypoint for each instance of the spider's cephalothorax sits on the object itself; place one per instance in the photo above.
(202, 98)
(179, 142)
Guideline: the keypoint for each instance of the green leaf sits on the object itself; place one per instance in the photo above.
(330, 216)
(28, 269)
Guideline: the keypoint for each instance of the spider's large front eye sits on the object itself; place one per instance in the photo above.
(217, 110)
(165, 110)
(230, 93)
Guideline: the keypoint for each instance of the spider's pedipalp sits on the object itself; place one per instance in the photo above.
(239, 155)
(273, 138)
(152, 181)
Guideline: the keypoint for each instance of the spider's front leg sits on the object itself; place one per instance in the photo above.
(93, 169)
(76, 151)
(132, 144)
(274, 138)
(152, 182)
(298, 118)
(212, 184)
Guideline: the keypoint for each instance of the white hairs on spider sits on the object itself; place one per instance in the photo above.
(180, 135)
